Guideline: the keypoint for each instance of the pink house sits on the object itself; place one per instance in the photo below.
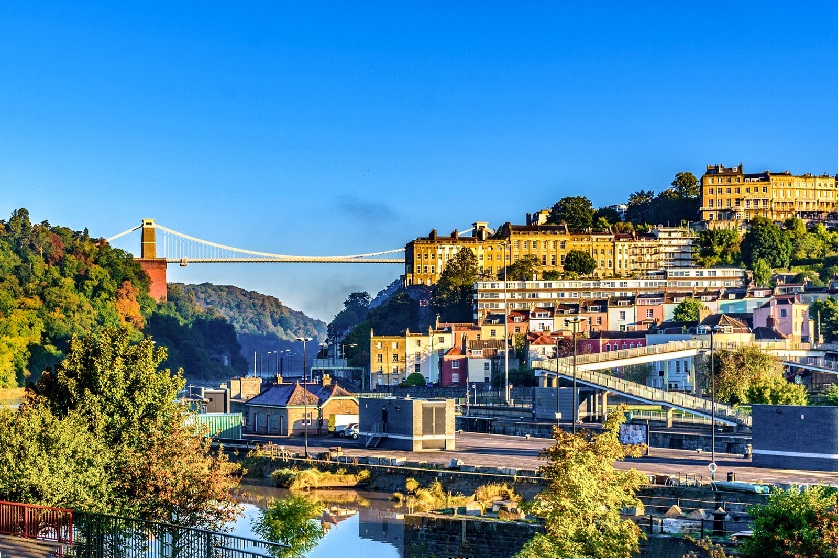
(786, 314)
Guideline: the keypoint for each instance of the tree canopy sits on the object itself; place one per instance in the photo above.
(747, 372)
(719, 246)
(766, 241)
(686, 185)
(824, 311)
(574, 211)
(795, 522)
(582, 504)
(688, 310)
(525, 268)
(453, 293)
(579, 262)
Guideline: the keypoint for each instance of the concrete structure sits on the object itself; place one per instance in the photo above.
(407, 424)
(730, 196)
(152, 265)
(244, 388)
(795, 437)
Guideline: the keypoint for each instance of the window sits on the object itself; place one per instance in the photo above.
(455, 377)
(649, 313)
(395, 358)
(456, 365)
(608, 348)
(486, 366)
(599, 321)
(379, 358)
(783, 313)
(394, 345)
(678, 366)
(417, 368)
(378, 345)
(622, 315)
(492, 333)
(418, 356)
(419, 343)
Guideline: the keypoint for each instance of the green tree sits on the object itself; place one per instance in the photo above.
(160, 469)
(414, 379)
(830, 395)
(688, 310)
(719, 246)
(399, 313)
(824, 312)
(762, 273)
(355, 310)
(794, 522)
(579, 262)
(777, 391)
(735, 371)
(525, 268)
(686, 185)
(611, 215)
(582, 504)
(290, 521)
(767, 241)
(453, 293)
(53, 462)
(574, 211)
(639, 207)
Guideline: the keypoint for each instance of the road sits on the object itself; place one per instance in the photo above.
(481, 449)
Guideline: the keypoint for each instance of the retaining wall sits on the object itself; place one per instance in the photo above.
(430, 535)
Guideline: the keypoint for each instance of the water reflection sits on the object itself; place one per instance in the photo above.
(353, 523)
(291, 521)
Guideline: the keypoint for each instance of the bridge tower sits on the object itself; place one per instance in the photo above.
(153, 266)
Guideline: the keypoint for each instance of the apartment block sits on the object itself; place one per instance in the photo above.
(393, 358)
(731, 196)
(614, 254)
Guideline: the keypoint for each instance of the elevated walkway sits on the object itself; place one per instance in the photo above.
(701, 407)
(812, 364)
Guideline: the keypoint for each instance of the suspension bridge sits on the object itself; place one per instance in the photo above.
(161, 246)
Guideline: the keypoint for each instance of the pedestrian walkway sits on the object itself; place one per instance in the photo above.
(20, 547)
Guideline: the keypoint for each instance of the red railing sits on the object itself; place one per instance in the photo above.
(36, 522)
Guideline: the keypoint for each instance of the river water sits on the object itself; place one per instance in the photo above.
(357, 524)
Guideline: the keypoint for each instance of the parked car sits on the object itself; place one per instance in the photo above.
(349, 432)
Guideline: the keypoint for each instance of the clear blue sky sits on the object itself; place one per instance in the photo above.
(350, 127)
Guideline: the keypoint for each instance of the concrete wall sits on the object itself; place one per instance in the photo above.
(429, 535)
(795, 437)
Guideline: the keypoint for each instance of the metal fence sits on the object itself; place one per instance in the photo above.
(36, 522)
(103, 535)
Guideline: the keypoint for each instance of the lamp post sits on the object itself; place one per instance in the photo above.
(556, 382)
(576, 322)
(305, 400)
(506, 334)
(713, 465)
(344, 354)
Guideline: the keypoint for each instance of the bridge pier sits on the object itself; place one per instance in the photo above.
(152, 265)
(669, 417)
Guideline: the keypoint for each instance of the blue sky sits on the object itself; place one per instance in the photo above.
(343, 128)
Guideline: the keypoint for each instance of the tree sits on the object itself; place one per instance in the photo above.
(766, 240)
(688, 310)
(574, 211)
(638, 207)
(686, 185)
(794, 522)
(824, 312)
(290, 521)
(52, 462)
(399, 313)
(762, 273)
(453, 292)
(776, 391)
(579, 262)
(525, 268)
(354, 311)
(414, 379)
(611, 215)
(160, 468)
(719, 246)
(582, 504)
(735, 371)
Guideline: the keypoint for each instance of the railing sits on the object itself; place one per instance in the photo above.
(684, 401)
(829, 365)
(102, 535)
(36, 522)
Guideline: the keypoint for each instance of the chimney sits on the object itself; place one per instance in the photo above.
(770, 322)
(455, 235)
(433, 235)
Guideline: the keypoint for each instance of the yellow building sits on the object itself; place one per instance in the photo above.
(730, 196)
(387, 359)
(615, 254)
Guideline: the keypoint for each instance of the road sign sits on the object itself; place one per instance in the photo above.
(712, 467)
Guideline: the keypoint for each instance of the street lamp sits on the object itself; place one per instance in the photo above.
(506, 334)
(344, 361)
(305, 400)
(576, 322)
(556, 382)
(713, 465)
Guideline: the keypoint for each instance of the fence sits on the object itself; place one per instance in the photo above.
(36, 522)
(102, 535)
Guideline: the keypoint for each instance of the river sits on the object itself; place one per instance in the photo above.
(358, 524)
